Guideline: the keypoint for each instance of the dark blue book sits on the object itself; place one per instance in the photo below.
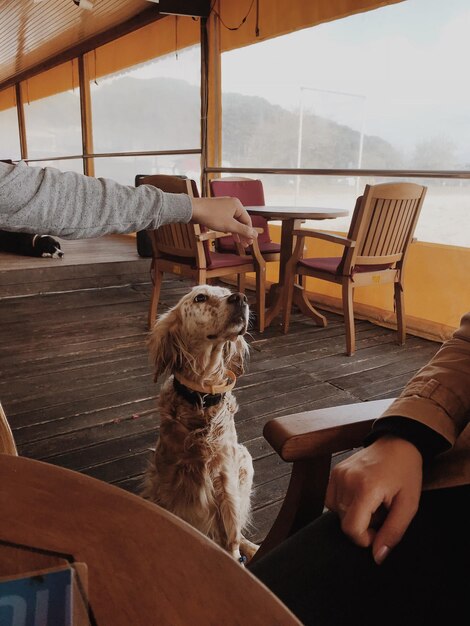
(41, 598)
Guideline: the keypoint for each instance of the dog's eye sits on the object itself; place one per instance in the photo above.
(201, 297)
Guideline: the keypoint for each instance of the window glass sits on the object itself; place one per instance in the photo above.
(53, 123)
(153, 106)
(125, 169)
(443, 197)
(9, 135)
(377, 90)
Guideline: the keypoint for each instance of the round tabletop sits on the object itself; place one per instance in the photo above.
(297, 212)
(145, 566)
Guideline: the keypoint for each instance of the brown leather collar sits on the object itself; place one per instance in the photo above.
(205, 396)
(210, 389)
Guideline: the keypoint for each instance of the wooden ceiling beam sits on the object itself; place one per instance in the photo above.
(138, 21)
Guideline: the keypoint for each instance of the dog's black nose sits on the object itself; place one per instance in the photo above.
(237, 298)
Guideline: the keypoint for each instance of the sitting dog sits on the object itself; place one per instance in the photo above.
(200, 472)
(30, 245)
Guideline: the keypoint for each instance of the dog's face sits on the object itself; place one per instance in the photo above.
(207, 323)
(48, 247)
(213, 314)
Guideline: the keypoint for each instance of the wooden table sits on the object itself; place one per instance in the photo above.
(291, 218)
(145, 566)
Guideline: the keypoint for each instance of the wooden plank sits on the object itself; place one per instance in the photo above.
(121, 427)
(41, 387)
(44, 414)
(75, 393)
(361, 380)
(46, 433)
(115, 450)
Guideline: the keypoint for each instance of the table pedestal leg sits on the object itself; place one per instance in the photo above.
(275, 300)
(300, 299)
(276, 293)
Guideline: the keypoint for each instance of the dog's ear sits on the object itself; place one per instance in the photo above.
(165, 343)
(236, 355)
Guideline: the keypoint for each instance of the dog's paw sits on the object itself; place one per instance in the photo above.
(248, 549)
(58, 254)
(238, 556)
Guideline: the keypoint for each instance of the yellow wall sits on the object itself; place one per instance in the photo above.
(277, 17)
(437, 288)
(7, 99)
(156, 39)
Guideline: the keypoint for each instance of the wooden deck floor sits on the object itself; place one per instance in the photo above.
(77, 387)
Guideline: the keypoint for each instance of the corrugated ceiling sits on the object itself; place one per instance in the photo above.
(32, 32)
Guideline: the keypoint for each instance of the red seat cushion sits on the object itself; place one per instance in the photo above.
(213, 260)
(268, 246)
(223, 259)
(330, 265)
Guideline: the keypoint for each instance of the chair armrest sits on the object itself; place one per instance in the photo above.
(208, 235)
(344, 241)
(323, 431)
(216, 234)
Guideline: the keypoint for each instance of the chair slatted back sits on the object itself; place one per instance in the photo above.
(383, 224)
(177, 240)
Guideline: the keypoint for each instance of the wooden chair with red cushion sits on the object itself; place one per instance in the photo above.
(375, 251)
(184, 250)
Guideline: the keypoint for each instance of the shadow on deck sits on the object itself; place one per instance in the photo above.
(77, 386)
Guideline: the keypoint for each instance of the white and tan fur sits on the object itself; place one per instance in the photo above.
(200, 471)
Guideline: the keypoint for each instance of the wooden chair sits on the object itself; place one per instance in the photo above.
(250, 192)
(184, 250)
(7, 442)
(145, 566)
(310, 441)
(375, 251)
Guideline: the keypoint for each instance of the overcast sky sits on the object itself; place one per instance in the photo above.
(406, 63)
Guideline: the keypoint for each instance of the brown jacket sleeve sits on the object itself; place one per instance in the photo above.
(439, 395)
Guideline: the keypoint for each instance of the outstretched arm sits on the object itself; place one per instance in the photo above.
(74, 206)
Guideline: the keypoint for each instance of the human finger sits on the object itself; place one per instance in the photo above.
(243, 233)
(242, 215)
(399, 516)
(330, 496)
(356, 522)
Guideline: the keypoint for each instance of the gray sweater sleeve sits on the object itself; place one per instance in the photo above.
(74, 206)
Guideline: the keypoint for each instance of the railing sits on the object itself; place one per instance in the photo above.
(456, 174)
(99, 155)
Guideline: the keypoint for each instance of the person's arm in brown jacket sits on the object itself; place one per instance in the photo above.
(427, 418)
